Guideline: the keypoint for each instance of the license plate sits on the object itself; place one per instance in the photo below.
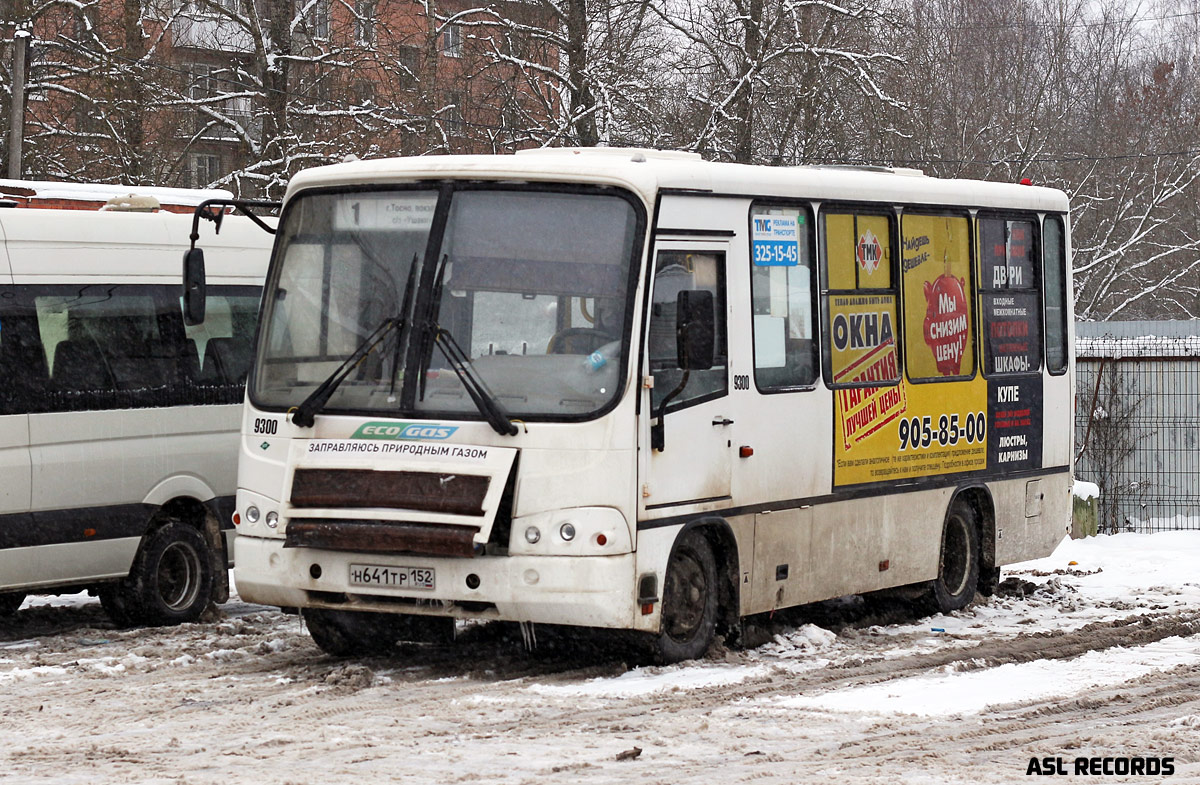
(391, 577)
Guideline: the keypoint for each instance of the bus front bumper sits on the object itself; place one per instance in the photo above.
(591, 591)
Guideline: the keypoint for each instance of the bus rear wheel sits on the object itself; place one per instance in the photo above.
(350, 633)
(958, 564)
(689, 603)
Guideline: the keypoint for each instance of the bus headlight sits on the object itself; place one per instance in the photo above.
(272, 519)
(575, 531)
(252, 514)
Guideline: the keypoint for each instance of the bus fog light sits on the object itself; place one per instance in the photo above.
(272, 519)
(531, 577)
(567, 531)
(252, 514)
(532, 535)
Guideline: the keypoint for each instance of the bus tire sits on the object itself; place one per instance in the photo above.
(350, 633)
(958, 562)
(172, 576)
(119, 602)
(689, 603)
(10, 603)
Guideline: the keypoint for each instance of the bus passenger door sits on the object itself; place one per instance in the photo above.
(695, 463)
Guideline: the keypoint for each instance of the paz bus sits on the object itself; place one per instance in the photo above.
(119, 424)
(634, 390)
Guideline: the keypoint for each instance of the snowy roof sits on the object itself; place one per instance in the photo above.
(102, 192)
(1116, 340)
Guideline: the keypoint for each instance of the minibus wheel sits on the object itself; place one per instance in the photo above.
(350, 633)
(958, 564)
(10, 603)
(689, 603)
(171, 581)
(120, 604)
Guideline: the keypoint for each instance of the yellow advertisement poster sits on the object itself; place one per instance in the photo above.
(863, 351)
(938, 323)
(915, 430)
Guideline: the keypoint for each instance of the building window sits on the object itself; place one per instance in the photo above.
(364, 21)
(408, 59)
(205, 169)
(452, 41)
(364, 92)
(201, 83)
(211, 7)
(317, 19)
(454, 115)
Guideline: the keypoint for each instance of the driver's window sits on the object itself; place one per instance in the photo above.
(674, 272)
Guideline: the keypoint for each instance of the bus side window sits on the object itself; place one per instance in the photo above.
(22, 363)
(1054, 276)
(676, 271)
(781, 276)
(860, 299)
(1012, 341)
(219, 350)
(106, 348)
(939, 312)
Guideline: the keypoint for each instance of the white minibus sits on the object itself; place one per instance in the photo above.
(118, 424)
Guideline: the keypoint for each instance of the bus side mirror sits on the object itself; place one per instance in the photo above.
(194, 291)
(695, 329)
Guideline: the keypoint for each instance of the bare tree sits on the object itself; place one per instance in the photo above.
(764, 80)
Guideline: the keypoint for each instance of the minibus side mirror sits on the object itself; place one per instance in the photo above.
(194, 291)
(695, 329)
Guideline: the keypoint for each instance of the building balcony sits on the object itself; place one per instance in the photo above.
(209, 32)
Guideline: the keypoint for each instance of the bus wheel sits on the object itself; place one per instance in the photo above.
(120, 604)
(350, 633)
(958, 566)
(171, 581)
(689, 604)
(10, 603)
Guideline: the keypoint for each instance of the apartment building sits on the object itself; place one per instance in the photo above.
(240, 94)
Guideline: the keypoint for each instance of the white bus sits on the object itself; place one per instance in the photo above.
(635, 390)
(118, 425)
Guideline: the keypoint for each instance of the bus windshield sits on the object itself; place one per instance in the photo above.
(528, 289)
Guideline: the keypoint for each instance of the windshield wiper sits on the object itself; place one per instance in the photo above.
(484, 399)
(460, 361)
(305, 413)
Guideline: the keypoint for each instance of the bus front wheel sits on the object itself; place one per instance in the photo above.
(958, 564)
(350, 633)
(10, 603)
(689, 603)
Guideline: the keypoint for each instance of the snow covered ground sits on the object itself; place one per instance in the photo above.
(1092, 652)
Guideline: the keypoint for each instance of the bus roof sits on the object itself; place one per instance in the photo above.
(65, 243)
(647, 172)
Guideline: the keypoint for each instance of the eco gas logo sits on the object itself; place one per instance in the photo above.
(409, 431)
